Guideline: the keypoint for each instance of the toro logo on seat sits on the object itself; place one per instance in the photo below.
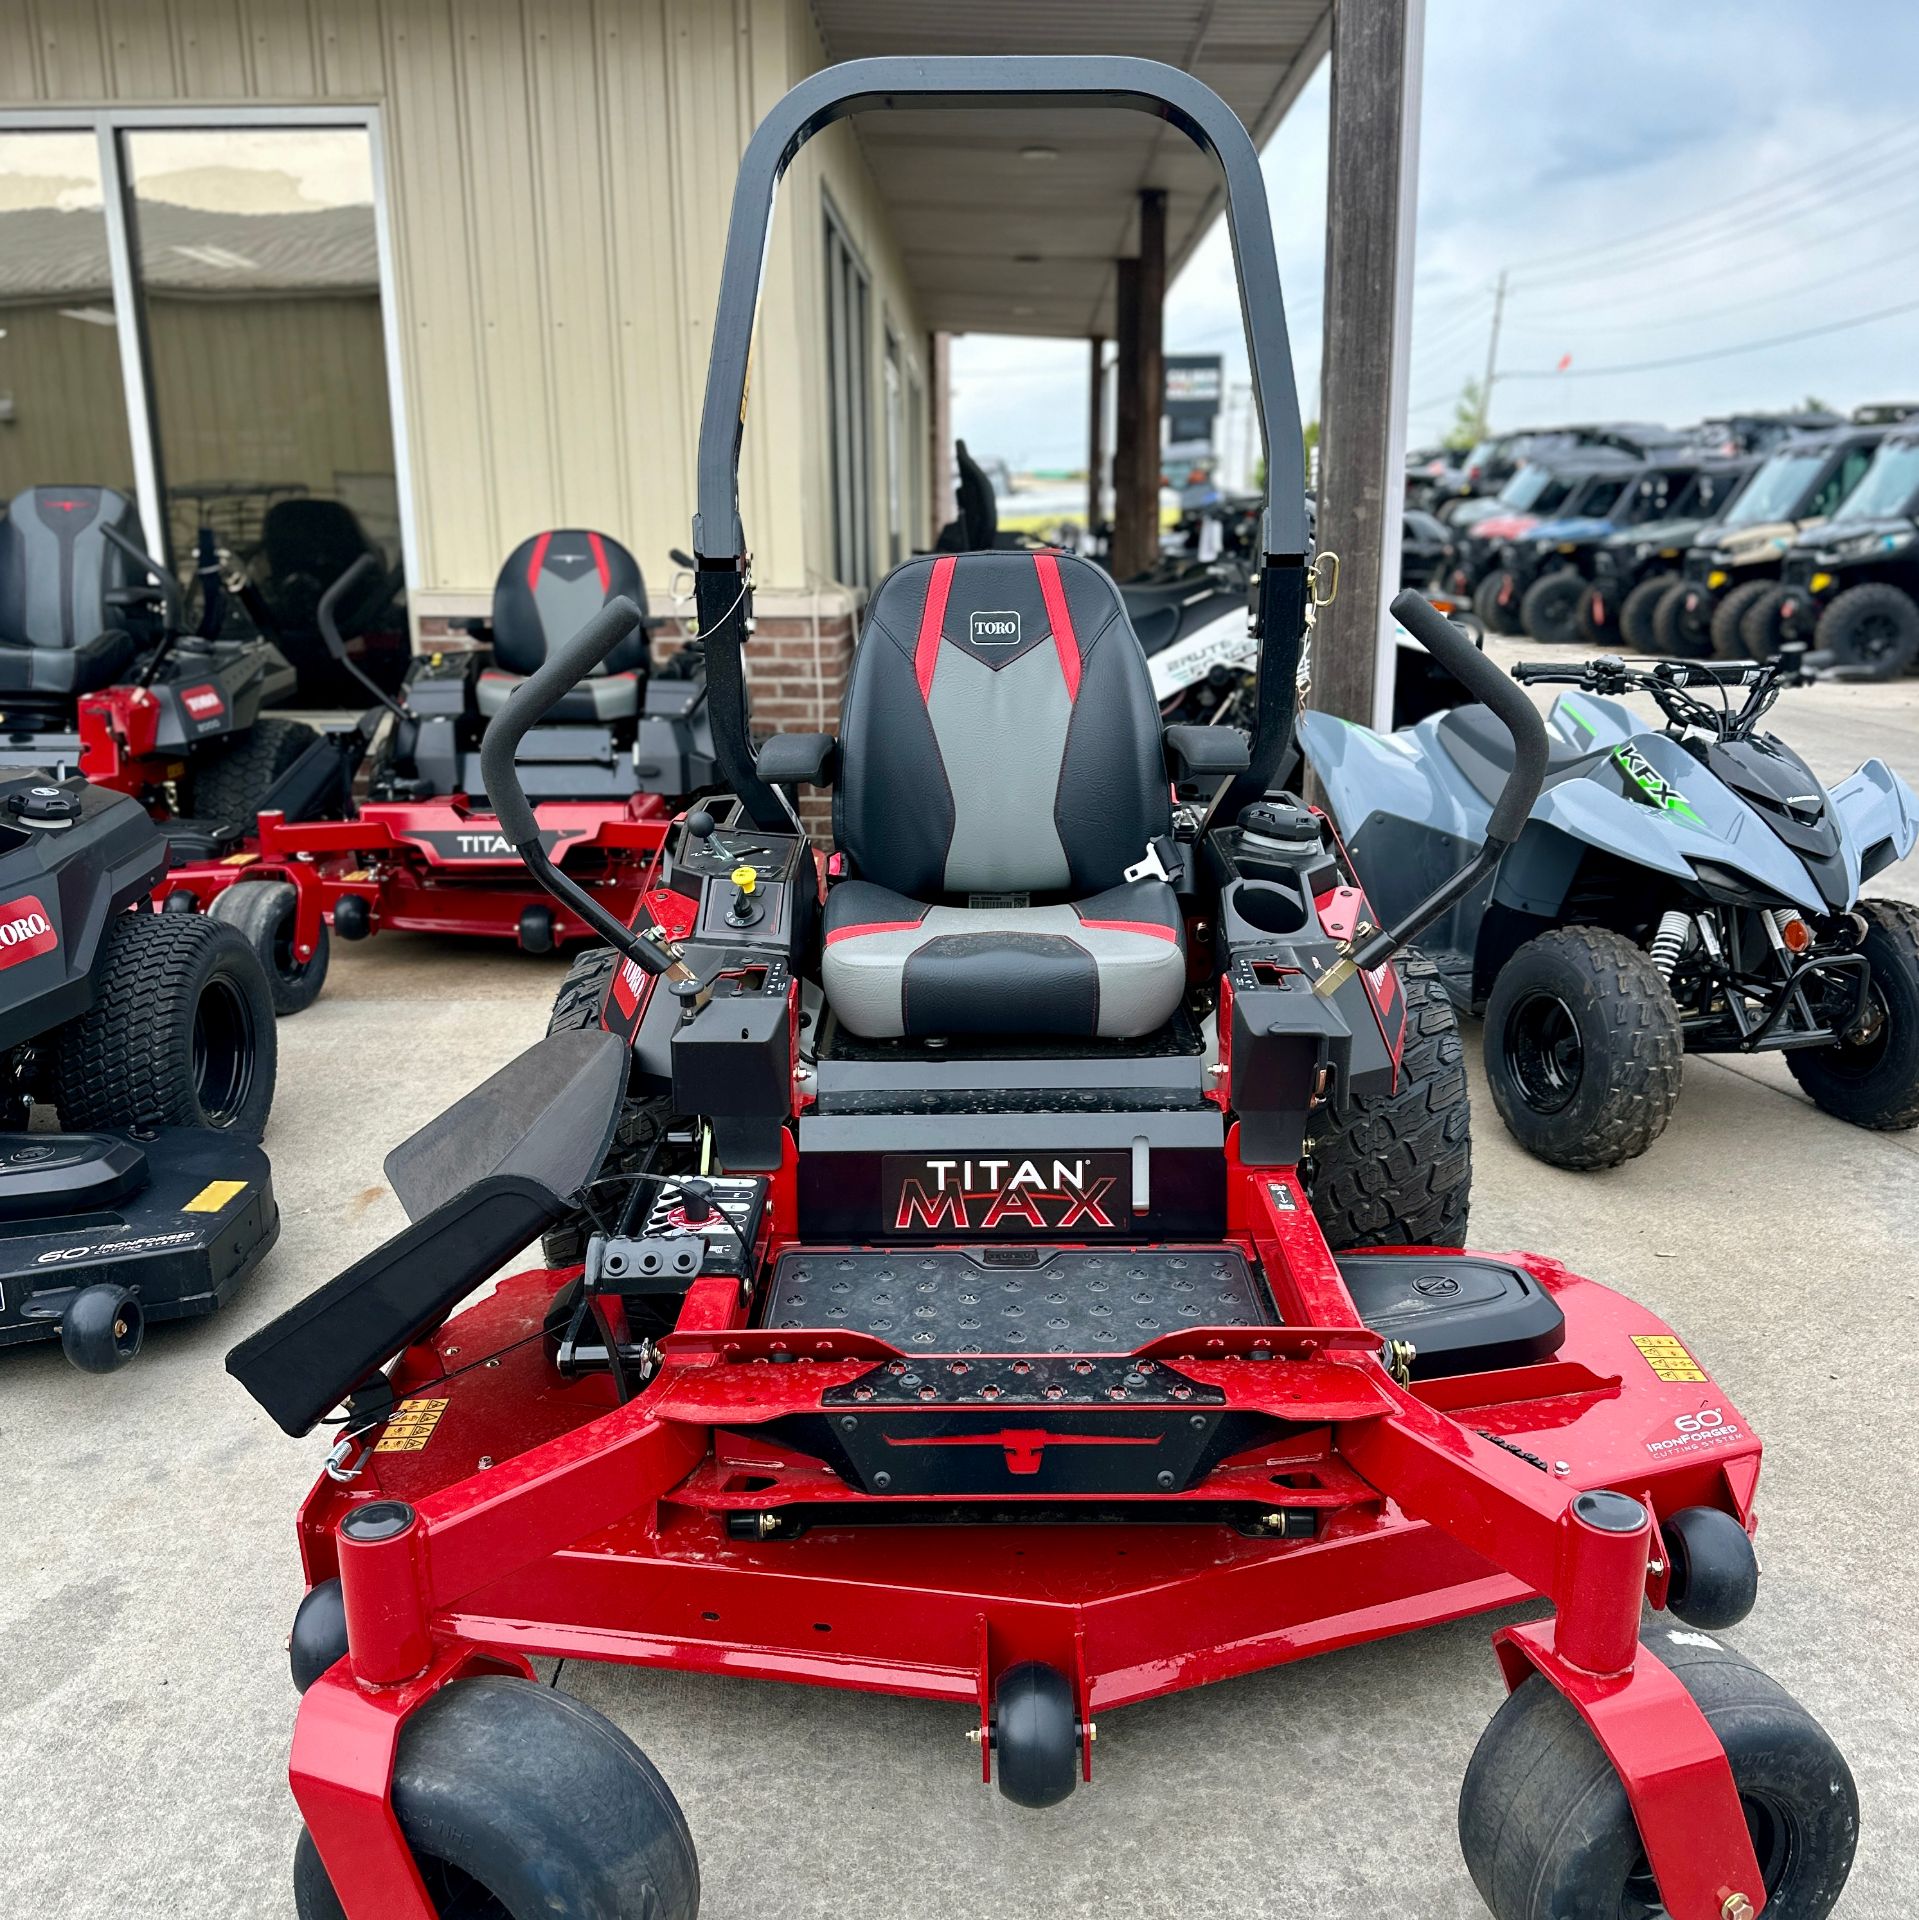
(25, 930)
(993, 629)
(1004, 1193)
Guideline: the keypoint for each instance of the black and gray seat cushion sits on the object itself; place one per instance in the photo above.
(550, 587)
(58, 633)
(1001, 768)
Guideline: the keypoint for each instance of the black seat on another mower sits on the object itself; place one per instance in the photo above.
(1001, 767)
(58, 632)
(550, 587)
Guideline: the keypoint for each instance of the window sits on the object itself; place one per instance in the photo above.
(895, 453)
(916, 475)
(191, 309)
(848, 300)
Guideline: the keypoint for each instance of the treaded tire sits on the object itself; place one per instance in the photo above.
(1637, 609)
(1397, 1170)
(180, 1033)
(1875, 1084)
(1547, 1831)
(1583, 1048)
(230, 785)
(1676, 633)
(1551, 609)
(1872, 630)
(577, 1004)
(1760, 627)
(1728, 618)
(261, 912)
(1498, 617)
(520, 1803)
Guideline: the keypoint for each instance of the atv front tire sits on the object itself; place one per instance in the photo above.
(1397, 1169)
(1872, 631)
(180, 1033)
(1637, 609)
(1583, 1048)
(230, 785)
(1728, 618)
(1552, 607)
(1872, 1079)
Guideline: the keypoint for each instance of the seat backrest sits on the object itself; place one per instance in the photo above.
(999, 733)
(57, 565)
(551, 586)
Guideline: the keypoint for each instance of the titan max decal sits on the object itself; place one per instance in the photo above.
(1004, 1193)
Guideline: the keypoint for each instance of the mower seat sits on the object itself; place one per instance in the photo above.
(1001, 768)
(59, 631)
(550, 587)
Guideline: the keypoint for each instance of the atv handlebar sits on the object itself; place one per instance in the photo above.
(1489, 684)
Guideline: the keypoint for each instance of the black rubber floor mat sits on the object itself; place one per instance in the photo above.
(1017, 1299)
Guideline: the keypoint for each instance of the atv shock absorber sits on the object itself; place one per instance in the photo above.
(1671, 940)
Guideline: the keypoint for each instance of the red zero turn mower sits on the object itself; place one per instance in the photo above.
(423, 852)
(956, 1316)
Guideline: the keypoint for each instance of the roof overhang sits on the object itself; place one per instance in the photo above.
(1010, 221)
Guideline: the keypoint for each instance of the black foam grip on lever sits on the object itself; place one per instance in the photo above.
(1486, 682)
(325, 618)
(564, 666)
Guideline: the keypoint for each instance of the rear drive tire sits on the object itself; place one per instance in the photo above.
(1677, 633)
(1397, 1169)
(1548, 1834)
(1872, 631)
(519, 1803)
(180, 1033)
(230, 784)
(102, 1328)
(261, 912)
(1728, 618)
(1550, 611)
(1637, 609)
(1872, 1079)
(1761, 631)
(1583, 1048)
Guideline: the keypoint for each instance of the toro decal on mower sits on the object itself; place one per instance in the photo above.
(25, 930)
(1012, 1193)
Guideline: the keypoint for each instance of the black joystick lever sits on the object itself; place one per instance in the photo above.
(696, 1202)
(704, 828)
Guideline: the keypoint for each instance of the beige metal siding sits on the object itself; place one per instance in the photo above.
(558, 175)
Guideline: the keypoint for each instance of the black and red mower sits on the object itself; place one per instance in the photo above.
(1020, 1267)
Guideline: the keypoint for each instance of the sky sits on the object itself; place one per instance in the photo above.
(1660, 183)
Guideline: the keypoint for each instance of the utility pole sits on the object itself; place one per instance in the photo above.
(1492, 355)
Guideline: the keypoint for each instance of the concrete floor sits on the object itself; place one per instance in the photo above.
(147, 1571)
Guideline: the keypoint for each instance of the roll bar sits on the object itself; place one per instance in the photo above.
(722, 590)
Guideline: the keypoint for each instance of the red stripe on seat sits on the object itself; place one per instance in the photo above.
(932, 618)
(538, 560)
(878, 926)
(1132, 926)
(599, 560)
(1053, 592)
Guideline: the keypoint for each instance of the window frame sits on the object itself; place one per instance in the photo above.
(849, 398)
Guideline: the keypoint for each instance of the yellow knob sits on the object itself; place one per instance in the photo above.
(746, 878)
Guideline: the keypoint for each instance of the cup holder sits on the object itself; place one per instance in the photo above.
(1270, 908)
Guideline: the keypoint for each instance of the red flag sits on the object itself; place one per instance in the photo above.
(1565, 360)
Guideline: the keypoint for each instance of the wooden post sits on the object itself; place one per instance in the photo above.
(1141, 394)
(1122, 552)
(1371, 191)
(1095, 439)
(939, 433)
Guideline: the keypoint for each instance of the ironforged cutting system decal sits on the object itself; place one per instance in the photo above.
(1004, 1193)
(1653, 784)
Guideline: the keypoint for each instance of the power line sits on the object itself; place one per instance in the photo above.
(1718, 353)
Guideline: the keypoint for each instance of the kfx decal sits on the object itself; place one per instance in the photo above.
(25, 930)
(1653, 784)
(1004, 1193)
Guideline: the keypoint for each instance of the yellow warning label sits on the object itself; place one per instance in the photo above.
(411, 1426)
(239, 860)
(1667, 1356)
(215, 1195)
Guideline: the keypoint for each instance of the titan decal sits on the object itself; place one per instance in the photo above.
(1004, 1193)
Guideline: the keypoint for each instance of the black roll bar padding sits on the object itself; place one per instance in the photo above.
(326, 618)
(1493, 687)
(169, 587)
(1077, 81)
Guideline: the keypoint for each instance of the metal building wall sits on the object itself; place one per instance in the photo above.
(558, 177)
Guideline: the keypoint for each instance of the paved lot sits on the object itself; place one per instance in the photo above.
(147, 1571)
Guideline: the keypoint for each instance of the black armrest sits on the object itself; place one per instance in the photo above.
(1207, 753)
(798, 760)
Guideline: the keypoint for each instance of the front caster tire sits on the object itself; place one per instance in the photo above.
(1035, 1735)
(1713, 1577)
(520, 1803)
(262, 913)
(1552, 607)
(1871, 1077)
(102, 1328)
(1548, 1834)
(1584, 1049)
(1397, 1169)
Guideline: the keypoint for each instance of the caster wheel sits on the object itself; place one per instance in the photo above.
(1035, 1735)
(1715, 1572)
(180, 902)
(518, 1802)
(319, 1634)
(1548, 1835)
(536, 930)
(262, 913)
(352, 917)
(102, 1328)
